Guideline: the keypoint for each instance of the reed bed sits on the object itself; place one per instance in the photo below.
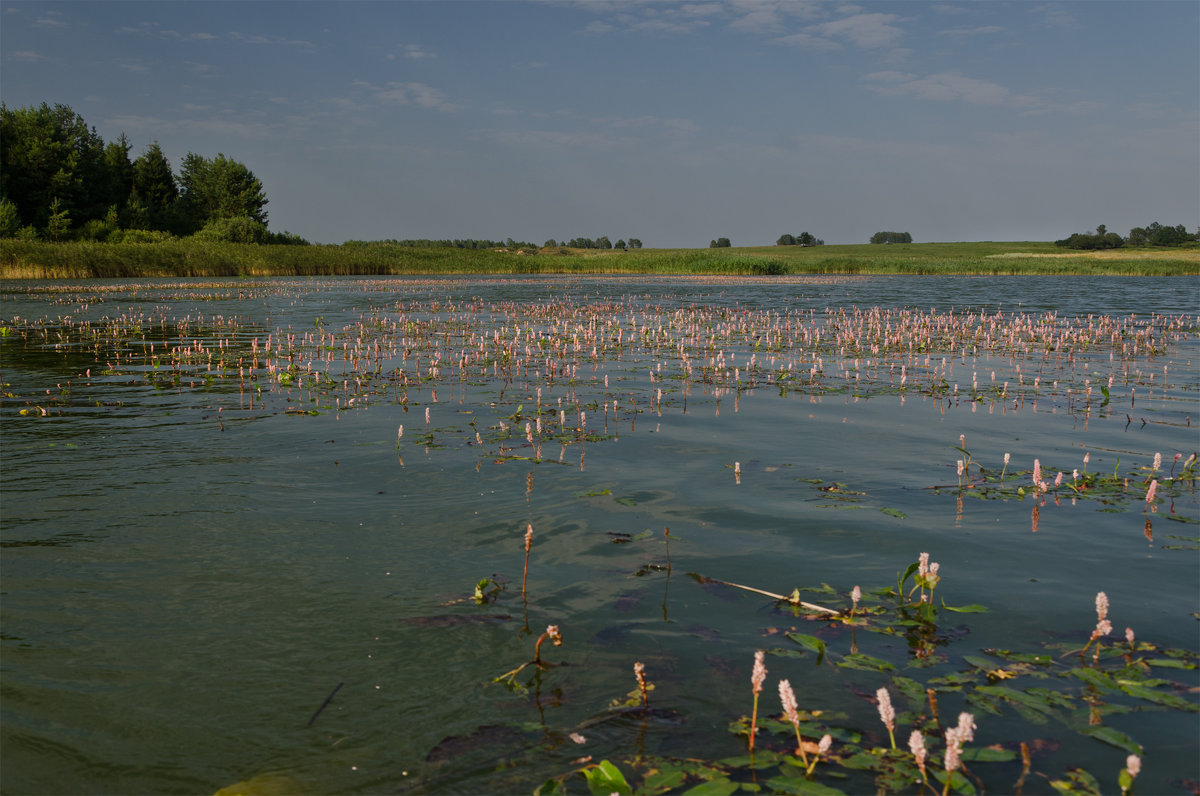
(82, 260)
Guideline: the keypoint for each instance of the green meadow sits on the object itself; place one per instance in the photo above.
(188, 257)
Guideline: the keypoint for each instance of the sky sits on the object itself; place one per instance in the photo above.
(672, 122)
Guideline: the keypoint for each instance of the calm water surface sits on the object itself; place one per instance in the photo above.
(209, 522)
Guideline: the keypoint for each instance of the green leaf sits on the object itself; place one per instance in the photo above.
(1094, 678)
(810, 643)
(1113, 738)
(626, 501)
(1078, 781)
(1157, 697)
(549, 787)
(866, 663)
(801, 786)
(716, 787)
(605, 778)
(1171, 663)
(897, 513)
(988, 754)
(973, 608)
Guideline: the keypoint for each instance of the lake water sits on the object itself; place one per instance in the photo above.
(224, 563)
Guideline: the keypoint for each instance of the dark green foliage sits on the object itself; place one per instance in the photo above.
(220, 188)
(239, 229)
(803, 239)
(59, 181)
(1100, 239)
(891, 237)
(1158, 235)
(46, 154)
(719, 243)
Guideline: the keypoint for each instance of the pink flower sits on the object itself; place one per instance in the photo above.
(966, 727)
(1157, 461)
(1101, 605)
(856, 595)
(887, 713)
(1037, 473)
(916, 745)
(1150, 492)
(788, 697)
(1133, 764)
(1129, 635)
(923, 566)
(759, 675)
(824, 744)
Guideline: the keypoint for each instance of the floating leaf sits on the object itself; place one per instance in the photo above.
(1113, 738)
(1171, 663)
(973, 608)
(593, 493)
(716, 787)
(1077, 781)
(988, 754)
(866, 663)
(801, 786)
(897, 513)
(1142, 691)
(605, 778)
(810, 643)
(627, 501)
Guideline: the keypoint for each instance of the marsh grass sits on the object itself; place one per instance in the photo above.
(190, 258)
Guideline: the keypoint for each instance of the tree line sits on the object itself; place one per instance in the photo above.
(1154, 234)
(59, 180)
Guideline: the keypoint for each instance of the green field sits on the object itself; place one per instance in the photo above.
(77, 260)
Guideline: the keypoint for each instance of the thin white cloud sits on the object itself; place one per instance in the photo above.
(26, 55)
(258, 39)
(949, 87)
(1054, 15)
(420, 94)
(870, 31)
(983, 30)
(51, 19)
(417, 52)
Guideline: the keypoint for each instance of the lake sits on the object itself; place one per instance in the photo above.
(271, 533)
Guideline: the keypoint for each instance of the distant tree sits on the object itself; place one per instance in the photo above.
(10, 219)
(634, 243)
(1100, 239)
(619, 245)
(1157, 234)
(550, 244)
(219, 188)
(155, 189)
(891, 237)
(49, 153)
(603, 242)
(59, 222)
(786, 240)
(118, 172)
(719, 243)
(808, 239)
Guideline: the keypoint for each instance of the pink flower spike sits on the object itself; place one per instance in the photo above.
(1037, 473)
(1133, 764)
(1101, 605)
(1150, 492)
(759, 675)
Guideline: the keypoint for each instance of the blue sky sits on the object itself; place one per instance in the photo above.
(672, 122)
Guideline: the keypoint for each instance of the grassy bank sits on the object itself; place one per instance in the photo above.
(40, 260)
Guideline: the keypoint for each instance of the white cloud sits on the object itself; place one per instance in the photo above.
(419, 94)
(417, 52)
(980, 31)
(871, 31)
(949, 87)
(26, 55)
(51, 19)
